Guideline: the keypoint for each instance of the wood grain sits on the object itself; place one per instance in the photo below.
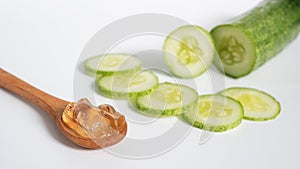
(53, 105)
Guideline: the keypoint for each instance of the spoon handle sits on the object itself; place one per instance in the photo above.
(53, 105)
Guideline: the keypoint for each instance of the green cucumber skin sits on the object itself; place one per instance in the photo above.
(166, 113)
(271, 26)
(211, 128)
(120, 95)
(260, 119)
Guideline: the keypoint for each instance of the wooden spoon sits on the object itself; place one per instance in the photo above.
(55, 108)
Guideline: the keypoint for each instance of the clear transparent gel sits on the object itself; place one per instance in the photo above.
(92, 122)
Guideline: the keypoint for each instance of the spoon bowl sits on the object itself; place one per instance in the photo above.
(89, 142)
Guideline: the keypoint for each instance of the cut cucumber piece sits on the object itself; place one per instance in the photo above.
(188, 51)
(257, 36)
(258, 105)
(125, 85)
(167, 99)
(216, 113)
(236, 51)
(111, 63)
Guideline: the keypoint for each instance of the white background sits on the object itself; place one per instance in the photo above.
(40, 41)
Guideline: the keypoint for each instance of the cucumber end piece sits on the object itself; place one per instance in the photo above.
(236, 51)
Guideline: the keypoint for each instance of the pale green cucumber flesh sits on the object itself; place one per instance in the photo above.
(125, 85)
(255, 37)
(167, 99)
(216, 113)
(258, 105)
(188, 51)
(111, 63)
(236, 50)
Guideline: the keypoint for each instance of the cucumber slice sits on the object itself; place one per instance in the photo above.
(188, 51)
(216, 113)
(167, 99)
(124, 85)
(110, 63)
(258, 105)
(256, 36)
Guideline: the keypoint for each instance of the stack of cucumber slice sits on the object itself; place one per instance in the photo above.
(126, 80)
(120, 76)
(216, 112)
